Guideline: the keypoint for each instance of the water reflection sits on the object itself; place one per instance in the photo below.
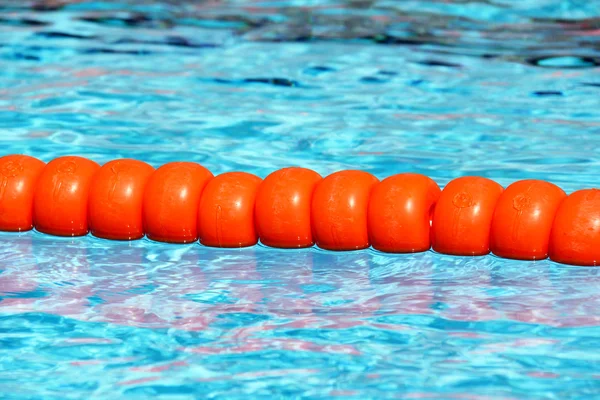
(305, 306)
(190, 287)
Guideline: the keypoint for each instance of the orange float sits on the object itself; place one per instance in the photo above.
(171, 197)
(523, 220)
(339, 210)
(463, 216)
(400, 212)
(61, 196)
(226, 212)
(116, 198)
(18, 178)
(282, 208)
(575, 237)
(294, 207)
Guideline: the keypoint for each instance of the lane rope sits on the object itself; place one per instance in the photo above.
(183, 202)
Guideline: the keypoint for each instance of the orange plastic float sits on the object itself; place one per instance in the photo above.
(61, 196)
(282, 208)
(523, 219)
(226, 212)
(400, 212)
(294, 207)
(18, 178)
(170, 206)
(575, 237)
(116, 197)
(339, 210)
(463, 215)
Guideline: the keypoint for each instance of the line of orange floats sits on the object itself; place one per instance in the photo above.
(182, 202)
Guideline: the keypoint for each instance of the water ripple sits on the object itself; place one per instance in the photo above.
(506, 90)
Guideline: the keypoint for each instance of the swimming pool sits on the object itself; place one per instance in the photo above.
(501, 90)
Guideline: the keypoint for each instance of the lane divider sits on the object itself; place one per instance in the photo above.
(182, 202)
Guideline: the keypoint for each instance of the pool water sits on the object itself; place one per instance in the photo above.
(501, 89)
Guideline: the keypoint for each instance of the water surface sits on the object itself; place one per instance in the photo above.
(501, 89)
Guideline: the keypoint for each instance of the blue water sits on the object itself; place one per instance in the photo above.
(503, 89)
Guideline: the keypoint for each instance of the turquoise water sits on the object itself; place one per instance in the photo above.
(502, 89)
